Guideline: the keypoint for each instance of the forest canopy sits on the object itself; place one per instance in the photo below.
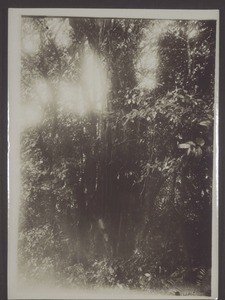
(117, 151)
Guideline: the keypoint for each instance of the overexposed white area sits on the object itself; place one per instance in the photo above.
(93, 87)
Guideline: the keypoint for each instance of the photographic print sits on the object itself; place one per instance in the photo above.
(113, 154)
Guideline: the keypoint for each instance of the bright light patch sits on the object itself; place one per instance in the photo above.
(41, 92)
(149, 61)
(94, 81)
(71, 98)
(91, 92)
(61, 31)
(193, 33)
(147, 66)
(31, 115)
(31, 43)
(149, 82)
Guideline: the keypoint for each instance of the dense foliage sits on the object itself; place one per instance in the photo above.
(119, 194)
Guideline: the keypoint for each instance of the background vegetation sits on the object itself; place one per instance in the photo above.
(116, 152)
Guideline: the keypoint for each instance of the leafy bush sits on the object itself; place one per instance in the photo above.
(37, 252)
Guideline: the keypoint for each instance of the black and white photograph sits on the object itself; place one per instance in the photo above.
(113, 136)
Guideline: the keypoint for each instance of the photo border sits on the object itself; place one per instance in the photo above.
(220, 133)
